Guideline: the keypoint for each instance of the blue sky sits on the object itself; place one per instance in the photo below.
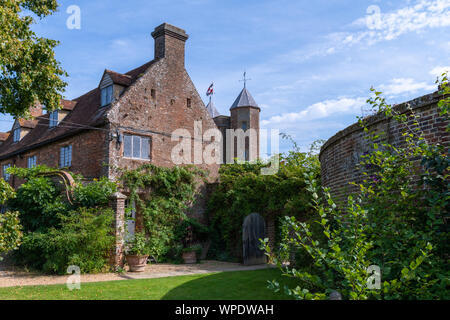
(312, 63)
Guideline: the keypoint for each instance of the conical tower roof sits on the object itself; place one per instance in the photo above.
(212, 110)
(244, 99)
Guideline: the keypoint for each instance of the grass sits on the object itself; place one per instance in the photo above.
(241, 285)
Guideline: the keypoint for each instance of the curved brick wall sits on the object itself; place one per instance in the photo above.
(341, 153)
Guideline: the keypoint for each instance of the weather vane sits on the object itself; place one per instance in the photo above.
(245, 79)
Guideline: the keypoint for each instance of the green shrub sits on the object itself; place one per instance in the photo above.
(59, 233)
(93, 194)
(10, 232)
(84, 239)
(138, 245)
(395, 222)
(39, 201)
(33, 249)
(10, 227)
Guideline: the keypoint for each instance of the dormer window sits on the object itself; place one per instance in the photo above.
(107, 95)
(16, 137)
(53, 122)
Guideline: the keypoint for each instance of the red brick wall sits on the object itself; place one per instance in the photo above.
(88, 155)
(251, 115)
(341, 154)
(137, 111)
(158, 117)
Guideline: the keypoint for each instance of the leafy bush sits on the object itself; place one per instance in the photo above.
(197, 248)
(59, 233)
(10, 232)
(39, 201)
(10, 228)
(84, 239)
(395, 222)
(138, 245)
(94, 194)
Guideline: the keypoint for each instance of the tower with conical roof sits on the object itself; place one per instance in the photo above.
(245, 114)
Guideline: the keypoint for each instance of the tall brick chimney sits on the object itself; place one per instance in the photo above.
(170, 43)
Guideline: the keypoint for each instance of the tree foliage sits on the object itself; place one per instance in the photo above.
(29, 72)
(10, 227)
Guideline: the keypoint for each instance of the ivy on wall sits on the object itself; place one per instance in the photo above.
(162, 196)
(243, 190)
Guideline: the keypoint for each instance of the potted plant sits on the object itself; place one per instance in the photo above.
(190, 254)
(137, 252)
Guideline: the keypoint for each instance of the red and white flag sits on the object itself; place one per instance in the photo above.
(210, 90)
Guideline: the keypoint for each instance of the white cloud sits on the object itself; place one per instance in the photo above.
(422, 15)
(319, 110)
(405, 85)
(438, 71)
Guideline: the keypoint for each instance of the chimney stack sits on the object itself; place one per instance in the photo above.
(170, 43)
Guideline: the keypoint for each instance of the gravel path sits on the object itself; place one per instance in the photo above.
(11, 276)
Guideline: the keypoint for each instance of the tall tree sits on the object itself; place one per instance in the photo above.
(29, 72)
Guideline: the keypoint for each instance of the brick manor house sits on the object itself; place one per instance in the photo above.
(127, 120)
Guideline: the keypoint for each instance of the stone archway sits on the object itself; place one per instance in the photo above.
(253, 229)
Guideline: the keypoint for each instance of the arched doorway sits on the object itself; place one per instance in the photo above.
(253, 229)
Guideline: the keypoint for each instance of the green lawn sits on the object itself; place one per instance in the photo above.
(248, 285)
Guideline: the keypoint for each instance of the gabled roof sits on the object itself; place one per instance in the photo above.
(119, 78)
(85, 114)
(244, 99)
(212, 110)
(68, 104)
(29, 124)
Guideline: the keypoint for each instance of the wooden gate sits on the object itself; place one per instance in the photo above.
(253, 229)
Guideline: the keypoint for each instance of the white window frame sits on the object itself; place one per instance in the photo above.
(6, 176)
(31, 162)
(65, 157)
(16, 135)
(141, 139)
(53, 119)
(107, 94)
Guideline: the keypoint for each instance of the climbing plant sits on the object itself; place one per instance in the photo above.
(163, 196)
(243, 189)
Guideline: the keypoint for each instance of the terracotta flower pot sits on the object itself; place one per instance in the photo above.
(137, 263)
(190, 257)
